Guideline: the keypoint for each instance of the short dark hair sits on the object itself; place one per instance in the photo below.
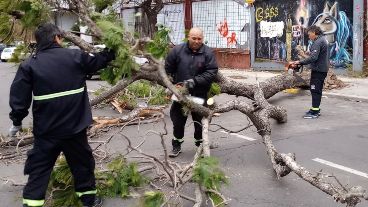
(45, 33)
(315, 29)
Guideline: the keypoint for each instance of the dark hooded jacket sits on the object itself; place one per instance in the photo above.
(183, 64)
(319, 55)
(54, 81)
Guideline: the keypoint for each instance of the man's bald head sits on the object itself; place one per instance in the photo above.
(196, 31)
(195, 38)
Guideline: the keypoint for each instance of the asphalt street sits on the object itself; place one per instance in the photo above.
(336, 143)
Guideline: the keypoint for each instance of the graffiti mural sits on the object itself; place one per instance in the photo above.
(223, 29)
(226, 24)
(334, 17)
(337, 28)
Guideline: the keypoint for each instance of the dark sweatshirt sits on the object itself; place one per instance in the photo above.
(183, 64)
(44, 79)
(319, 55)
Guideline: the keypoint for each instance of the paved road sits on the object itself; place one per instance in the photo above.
(336, 142)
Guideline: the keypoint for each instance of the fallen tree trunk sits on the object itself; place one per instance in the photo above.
(20, 142)
(339, 193)
(259, 113)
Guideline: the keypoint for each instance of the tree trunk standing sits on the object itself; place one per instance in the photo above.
(147, 21)
(142, 25)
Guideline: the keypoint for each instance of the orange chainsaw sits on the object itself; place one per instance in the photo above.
(295, 70)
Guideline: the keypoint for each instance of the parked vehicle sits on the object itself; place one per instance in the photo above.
(7, 53)
(2, 47)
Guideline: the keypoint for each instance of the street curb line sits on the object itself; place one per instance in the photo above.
(343, 96)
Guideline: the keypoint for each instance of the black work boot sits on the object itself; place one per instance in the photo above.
(176, 150)
(198, 142)
(312, 114)
(91, 201)
(97, 203)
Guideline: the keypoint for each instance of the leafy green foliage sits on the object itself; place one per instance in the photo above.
(113, 182)
(118, 178)
(129, 99)
(5, 26)
(100, 5)
(186, 34)
(214, 90)
(159, 47)
(113, 39)
(209, 175)
(36, 12)
(153, 199)
(159, 96)
(142, 89)
(62, 187)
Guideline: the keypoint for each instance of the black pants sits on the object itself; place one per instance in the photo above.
(179, 119)
(41, 160)
(316, 86)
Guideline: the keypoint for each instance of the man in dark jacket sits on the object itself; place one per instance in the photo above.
(319, 63)
(55, 78)
(192, 64)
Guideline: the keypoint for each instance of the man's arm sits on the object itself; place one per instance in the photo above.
(20, 95)
(170, 63)
(314, 55)
(93, 62)
(208, 76)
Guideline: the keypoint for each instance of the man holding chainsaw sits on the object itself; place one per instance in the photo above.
(192, 65)
(319, 63)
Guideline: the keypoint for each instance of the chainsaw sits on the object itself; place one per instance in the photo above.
(295, 70)
(194, 99)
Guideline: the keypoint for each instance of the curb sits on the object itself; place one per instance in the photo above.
(344, 96)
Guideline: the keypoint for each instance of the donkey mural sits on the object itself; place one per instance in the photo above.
(336, 26)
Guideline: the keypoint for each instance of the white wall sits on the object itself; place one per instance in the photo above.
(172, 16)
(65, 21)
(206, 15)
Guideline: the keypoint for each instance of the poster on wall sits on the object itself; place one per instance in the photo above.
(128, 17)
(172, 16)
(334, 17)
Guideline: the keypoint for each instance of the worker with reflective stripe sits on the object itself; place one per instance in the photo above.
(55, 79)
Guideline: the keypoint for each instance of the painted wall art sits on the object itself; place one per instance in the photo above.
(280, 28)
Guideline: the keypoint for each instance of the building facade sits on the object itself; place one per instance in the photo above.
(266, 34)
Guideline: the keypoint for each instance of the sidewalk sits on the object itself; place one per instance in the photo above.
(357, 89)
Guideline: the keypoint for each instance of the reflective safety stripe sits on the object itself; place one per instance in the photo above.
(179, 140)
(79, 194)
(29, 202)
(199, 140)
(59, 94)
(315, 109)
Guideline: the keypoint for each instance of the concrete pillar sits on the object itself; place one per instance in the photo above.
(365, 32)
(358, 31)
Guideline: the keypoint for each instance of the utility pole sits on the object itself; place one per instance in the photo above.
(188, 23)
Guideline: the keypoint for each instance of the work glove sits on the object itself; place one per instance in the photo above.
(189, 84)
(14, 129)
